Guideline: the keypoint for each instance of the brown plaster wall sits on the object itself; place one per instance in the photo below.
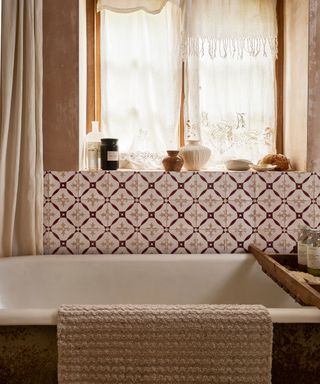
(296, 81)
(60, 84)
(313, 148)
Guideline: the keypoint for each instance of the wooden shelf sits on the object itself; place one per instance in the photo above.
(283, 269)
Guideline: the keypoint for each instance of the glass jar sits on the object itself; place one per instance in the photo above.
(313, 253)
(303, 239)
(109, 154)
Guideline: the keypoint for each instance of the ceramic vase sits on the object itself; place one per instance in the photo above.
(195, 155)
(173, 162)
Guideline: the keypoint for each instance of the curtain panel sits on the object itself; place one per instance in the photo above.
(141, 75)
(21, 160)
(230, 27)
(128, 6)
(230, 48)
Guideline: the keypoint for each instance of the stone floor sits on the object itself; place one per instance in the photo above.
(28, 354)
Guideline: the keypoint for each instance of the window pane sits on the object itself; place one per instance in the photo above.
(141, 81)
(231, 105)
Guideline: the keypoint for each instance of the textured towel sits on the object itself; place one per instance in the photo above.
(164, 344)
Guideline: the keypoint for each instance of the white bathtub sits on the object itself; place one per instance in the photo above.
(32, 287)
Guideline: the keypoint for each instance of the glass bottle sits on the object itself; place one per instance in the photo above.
(313, 253)
(93, 156)
(302, 247)
(93, 143)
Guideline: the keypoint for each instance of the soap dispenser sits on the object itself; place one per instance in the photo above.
(93, 143)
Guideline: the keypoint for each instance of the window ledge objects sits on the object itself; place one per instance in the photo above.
(177, 212)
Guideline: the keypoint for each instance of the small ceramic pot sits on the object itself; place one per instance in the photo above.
(195, 155)
(173, 162)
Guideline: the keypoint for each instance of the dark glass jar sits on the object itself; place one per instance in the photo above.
(109, 154)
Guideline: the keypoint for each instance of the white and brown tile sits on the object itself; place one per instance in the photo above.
(177, 212)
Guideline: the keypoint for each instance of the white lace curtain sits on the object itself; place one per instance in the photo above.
(229, 47)
(230, 27)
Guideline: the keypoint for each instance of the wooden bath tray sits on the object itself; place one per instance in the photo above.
(283, 269)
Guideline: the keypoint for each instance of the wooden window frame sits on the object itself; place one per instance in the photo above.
(279, 71)
(94, 74)
(93, 64)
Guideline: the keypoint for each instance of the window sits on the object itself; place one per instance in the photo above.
(162, 80)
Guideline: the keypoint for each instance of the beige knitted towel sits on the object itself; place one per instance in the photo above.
(164, 344)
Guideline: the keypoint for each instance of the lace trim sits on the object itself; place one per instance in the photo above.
(235, 48)
(230, 137)
(142, 160)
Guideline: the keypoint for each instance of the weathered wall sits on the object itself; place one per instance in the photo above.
(60, 84)
(29, 354)
(313, 145)
(296, 81)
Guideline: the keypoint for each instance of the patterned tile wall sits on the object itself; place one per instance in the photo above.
(187, 212)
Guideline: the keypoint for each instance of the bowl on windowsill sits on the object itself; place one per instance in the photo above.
(238, 165)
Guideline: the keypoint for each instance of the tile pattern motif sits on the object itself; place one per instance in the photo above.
(171, 212)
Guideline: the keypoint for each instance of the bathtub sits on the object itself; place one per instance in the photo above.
(33, 287)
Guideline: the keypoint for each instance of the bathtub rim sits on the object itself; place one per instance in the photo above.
(43, 316)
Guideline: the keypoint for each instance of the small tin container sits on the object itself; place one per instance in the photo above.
(314, 253)
(303, 241)
(109, 154)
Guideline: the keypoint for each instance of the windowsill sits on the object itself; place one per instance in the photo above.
(221, 169)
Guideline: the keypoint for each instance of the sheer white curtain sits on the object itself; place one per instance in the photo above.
(141, 82)
(127, 6)
(230, 48)
(21, 160)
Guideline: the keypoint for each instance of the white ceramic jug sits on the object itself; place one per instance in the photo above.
(195, 155)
